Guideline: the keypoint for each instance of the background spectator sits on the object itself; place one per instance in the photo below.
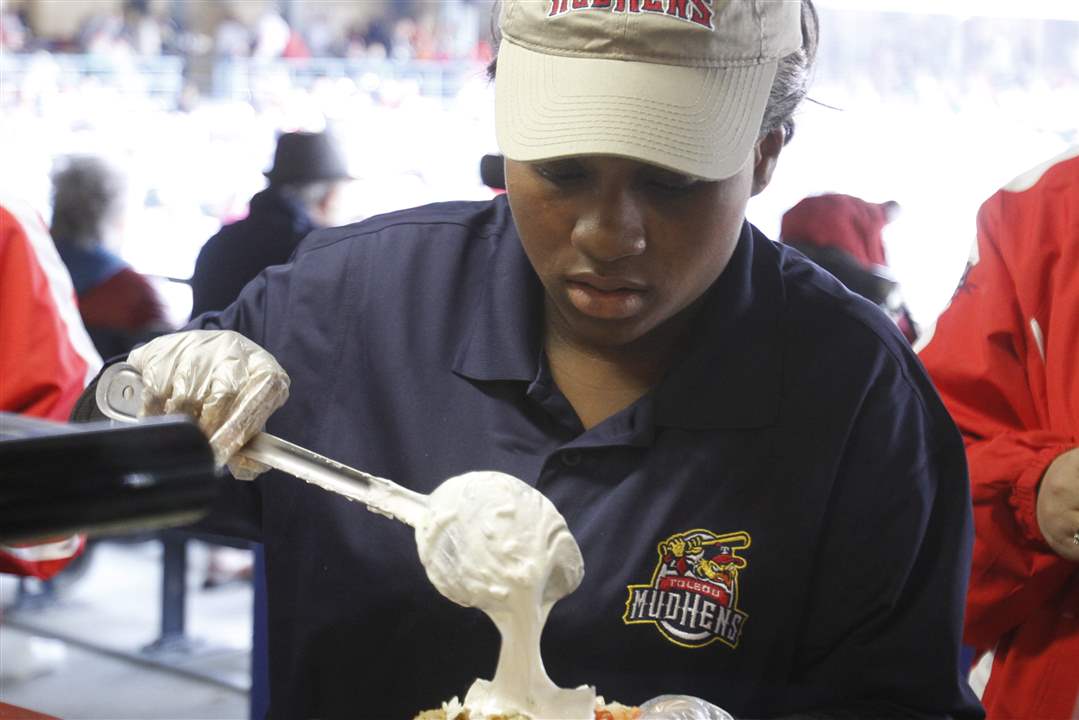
(307, 172)
(13, 31)
(843, 234)
(1003, 356)
(46, 358)
(118, 305)
(272, 35)
(143, 30)
(232, 38)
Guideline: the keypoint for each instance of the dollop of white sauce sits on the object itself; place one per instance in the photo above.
(492, 542)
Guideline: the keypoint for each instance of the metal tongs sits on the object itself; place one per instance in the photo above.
(119, 397)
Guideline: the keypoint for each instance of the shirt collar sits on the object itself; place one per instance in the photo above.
(730, 378)
(503, 336)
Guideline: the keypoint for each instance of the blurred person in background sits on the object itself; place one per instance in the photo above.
(143, 30)
(119, 306)
(322, 36)
(272, 34)
(46, 356)
(102, 34)
(1004, 356)
(304, 181)
(232, 39)
(296, 48)
(14, 33)
(844, 235)
(46, 359)
(372, 39)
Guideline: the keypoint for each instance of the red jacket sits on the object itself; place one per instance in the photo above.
(126, 301)
(46, 357)
(1004, 356)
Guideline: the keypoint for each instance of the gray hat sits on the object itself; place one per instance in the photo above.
(307, 157)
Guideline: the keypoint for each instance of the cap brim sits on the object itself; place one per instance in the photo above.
(698, 121)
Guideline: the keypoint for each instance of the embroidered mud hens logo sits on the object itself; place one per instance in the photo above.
(693, 596)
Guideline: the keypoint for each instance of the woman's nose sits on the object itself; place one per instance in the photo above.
(610, 227)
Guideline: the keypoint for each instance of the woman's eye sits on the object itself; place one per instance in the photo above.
(673, 182)
(560, 172)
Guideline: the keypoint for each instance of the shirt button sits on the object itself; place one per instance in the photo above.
(571, 458)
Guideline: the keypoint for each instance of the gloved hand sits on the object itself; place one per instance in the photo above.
(226, 383)
(681, 707)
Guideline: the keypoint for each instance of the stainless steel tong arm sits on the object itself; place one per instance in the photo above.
(119, 396)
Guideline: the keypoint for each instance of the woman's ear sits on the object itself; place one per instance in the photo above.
(766, 155)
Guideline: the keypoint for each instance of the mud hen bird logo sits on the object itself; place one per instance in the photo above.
(692, 598)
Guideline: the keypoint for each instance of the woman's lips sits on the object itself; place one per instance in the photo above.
(605, 298)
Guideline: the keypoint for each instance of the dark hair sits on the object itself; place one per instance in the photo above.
(792, 78)
(87, 193)
(788, 89)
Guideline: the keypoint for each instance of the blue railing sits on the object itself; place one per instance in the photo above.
(240, 78)
(156, 77)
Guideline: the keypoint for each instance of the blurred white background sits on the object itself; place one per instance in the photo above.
(934, 104)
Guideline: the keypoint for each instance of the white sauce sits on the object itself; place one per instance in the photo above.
(492, 542)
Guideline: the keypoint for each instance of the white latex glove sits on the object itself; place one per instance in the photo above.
(226, 383)
(681, 707)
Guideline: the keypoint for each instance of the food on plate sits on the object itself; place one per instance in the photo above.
(453, 710)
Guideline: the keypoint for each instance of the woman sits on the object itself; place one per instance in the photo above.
(689, 395)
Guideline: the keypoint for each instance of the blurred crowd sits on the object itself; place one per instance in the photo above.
(441, 31)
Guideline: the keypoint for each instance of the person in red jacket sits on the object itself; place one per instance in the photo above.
(1004, 357)
(46, 357)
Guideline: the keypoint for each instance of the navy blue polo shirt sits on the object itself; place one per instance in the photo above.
(781, 525)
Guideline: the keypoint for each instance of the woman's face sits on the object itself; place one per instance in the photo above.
(622, 246)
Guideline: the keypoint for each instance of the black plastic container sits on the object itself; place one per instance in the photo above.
(99, 477)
